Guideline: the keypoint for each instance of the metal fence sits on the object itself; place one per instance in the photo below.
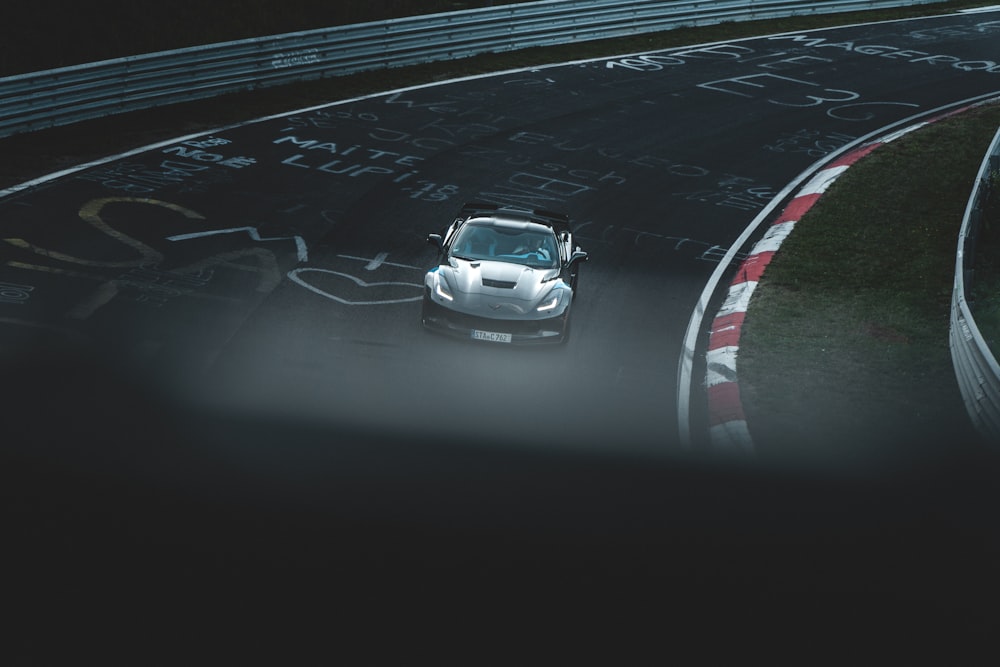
(976, 368)
(70, 94)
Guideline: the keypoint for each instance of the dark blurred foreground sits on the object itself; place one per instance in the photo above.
(142, 532)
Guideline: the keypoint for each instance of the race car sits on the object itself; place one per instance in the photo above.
(504, 275)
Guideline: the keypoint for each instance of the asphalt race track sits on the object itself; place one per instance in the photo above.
(216, 371)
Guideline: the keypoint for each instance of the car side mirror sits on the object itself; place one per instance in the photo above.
(577, 256)
(435, 240)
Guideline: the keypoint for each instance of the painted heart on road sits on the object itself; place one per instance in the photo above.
(388, 288)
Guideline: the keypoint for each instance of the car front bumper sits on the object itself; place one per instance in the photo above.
(501, 331)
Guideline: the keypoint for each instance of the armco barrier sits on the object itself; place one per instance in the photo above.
(70, 94)
(976, 368)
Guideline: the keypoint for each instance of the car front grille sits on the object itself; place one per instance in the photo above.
(502, 284)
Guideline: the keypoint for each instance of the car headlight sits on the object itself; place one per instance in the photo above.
(550, 302)
(441, 289)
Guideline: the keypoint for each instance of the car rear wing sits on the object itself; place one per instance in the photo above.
(559, 222)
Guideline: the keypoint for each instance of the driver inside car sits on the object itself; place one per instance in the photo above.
(533, 245)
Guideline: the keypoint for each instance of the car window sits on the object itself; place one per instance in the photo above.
(530, 248)
(475, 241)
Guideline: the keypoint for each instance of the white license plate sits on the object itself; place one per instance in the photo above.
(492, 336)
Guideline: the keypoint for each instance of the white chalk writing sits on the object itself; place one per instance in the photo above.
(814, 143)
(897, 53)
(358, 162)
(154, 287)
(15, 294)
(293, 58)
(137, 179)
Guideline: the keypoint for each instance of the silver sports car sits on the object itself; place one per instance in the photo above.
(504, 275)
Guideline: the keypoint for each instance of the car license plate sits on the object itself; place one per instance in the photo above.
(492, 336)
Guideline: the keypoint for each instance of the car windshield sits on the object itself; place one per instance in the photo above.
(530, 245)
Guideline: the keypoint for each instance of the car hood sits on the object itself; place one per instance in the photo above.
(501, 287)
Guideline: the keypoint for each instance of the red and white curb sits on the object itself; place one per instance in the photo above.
(726, 420)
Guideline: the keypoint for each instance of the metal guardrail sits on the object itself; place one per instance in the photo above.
(70, 94)
(976, 368)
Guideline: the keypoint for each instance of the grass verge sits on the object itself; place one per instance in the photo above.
(845, 347)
